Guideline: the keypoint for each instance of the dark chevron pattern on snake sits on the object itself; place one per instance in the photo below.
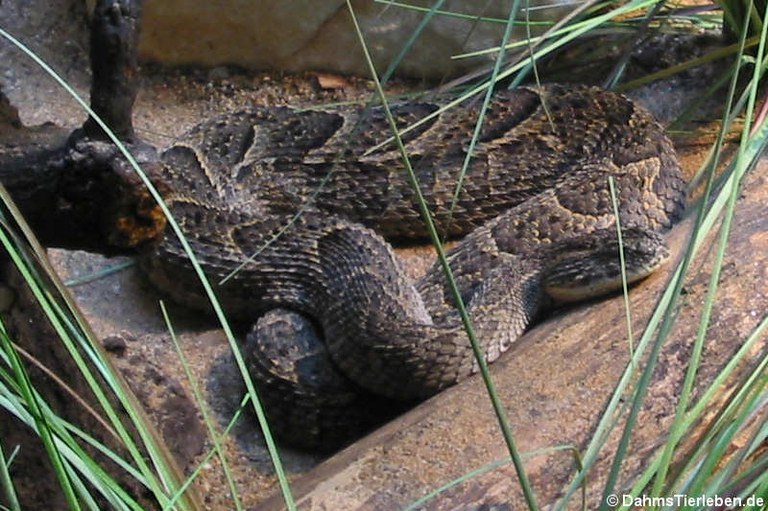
(338, 313)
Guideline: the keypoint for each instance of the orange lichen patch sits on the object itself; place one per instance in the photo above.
(142, 225)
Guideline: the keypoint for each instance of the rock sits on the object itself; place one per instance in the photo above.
(307, 35)
(114, 344)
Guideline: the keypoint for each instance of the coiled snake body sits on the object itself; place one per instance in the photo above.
(341, 316)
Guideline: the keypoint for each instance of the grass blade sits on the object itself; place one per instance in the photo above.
(455, 293)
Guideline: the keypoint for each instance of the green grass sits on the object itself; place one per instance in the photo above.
(63, 441)
(6, 482)
(715, 464)
(207, 418)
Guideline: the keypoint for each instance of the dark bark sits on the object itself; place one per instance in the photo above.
(115, 27)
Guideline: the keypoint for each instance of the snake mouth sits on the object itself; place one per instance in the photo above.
(593, 268)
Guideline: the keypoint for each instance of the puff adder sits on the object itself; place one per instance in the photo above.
(339, 317)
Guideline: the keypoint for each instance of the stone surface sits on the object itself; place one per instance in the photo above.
(53, 30)
(299, 35)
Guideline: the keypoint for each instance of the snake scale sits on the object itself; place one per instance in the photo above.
(337, 311)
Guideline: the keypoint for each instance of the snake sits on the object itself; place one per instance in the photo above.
(289, 213)
(292, 213)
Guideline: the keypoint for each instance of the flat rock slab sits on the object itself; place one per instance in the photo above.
(554, 385)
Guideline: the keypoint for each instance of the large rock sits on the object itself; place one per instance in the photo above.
(297, 35)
